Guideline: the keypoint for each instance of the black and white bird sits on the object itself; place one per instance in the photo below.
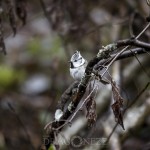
(77, 66)
(77, 69)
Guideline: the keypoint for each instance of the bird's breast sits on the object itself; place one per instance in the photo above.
(77, 73)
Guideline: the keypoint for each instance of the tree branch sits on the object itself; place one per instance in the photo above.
(133, 42)
(76, 91)
(103, 57)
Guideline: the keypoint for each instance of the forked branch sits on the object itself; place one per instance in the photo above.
(103, 59)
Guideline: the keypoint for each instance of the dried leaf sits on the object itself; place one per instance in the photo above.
(118, 113)
(117, 107)
(91, 112)
(21, 10)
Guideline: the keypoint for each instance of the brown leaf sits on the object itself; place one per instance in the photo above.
(117, 107)
(91, 112)
(118, 113)
(115, 91)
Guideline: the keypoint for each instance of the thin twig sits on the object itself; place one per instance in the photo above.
(141, 65)
(74, 114)
(117, 55)
(22, 125)
(136, 98)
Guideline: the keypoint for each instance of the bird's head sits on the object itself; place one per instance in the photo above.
(76, 60)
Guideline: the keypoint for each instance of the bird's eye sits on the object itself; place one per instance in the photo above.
(77, 59)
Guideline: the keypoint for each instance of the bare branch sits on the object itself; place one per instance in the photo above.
(103, 57)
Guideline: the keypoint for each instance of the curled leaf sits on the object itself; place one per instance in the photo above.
(117, 107)
(118, 113)
(91, 112)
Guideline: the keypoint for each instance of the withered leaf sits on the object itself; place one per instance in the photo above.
(118, 113)
(91, 112)
(117, 107)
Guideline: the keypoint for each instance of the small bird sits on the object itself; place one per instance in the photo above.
(77, 66)
(77, 69)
